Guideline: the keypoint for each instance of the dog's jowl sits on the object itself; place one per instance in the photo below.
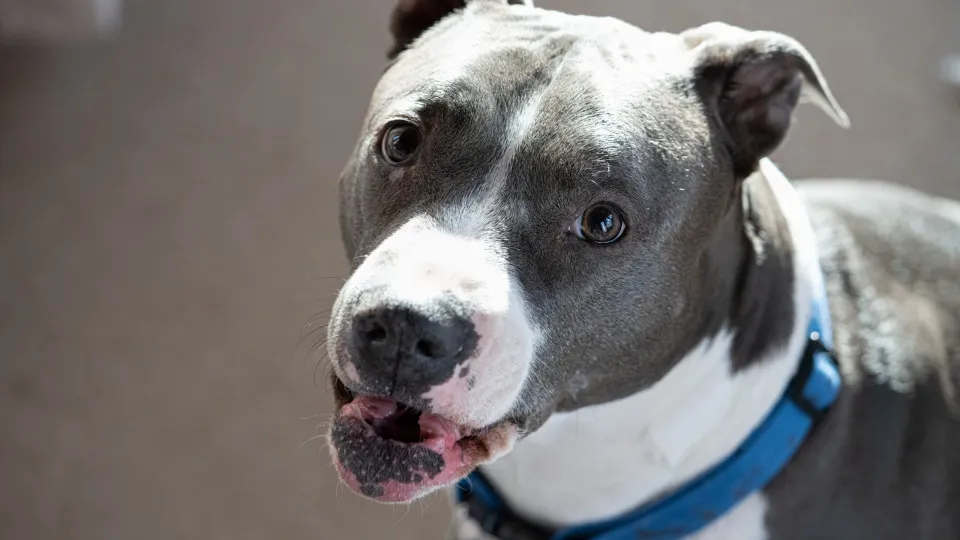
(578, 281)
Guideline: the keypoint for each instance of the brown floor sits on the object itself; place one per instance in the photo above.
(168, 223)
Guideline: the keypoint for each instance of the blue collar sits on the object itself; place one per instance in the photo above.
(751, 467)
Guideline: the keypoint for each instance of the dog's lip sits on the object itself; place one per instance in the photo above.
(436, 432)
(377, 407)
(452, 450)
(341, 394)
(372, 460)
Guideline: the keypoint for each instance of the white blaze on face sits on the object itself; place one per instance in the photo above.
(423, 266)
(428, 261)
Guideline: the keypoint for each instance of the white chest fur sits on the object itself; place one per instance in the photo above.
(601, 461)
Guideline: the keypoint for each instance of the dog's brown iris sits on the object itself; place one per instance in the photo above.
(400, 143)
(602, 223)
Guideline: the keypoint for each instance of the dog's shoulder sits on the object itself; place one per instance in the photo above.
(889, 450)
(891, 258)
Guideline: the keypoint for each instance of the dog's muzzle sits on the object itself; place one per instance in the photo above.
(431, 347)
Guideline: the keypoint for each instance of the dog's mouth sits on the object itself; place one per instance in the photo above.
(401, 425)
(392, 452)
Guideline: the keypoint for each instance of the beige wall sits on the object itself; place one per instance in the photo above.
(168, 223)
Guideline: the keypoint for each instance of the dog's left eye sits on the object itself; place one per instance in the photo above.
(602, 223)
(400, 143)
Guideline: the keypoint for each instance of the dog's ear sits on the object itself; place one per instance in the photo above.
(751, 82)
(413, 17)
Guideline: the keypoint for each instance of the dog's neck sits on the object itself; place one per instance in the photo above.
(601, 461)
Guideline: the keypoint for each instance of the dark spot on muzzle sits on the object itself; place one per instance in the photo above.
(374, 460)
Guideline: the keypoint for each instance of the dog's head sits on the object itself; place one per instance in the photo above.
(538, 213)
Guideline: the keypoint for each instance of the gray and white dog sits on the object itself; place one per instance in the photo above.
(574, 266)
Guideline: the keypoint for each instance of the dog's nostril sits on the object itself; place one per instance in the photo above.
(438, 349)
(377, 334)
(426, 348)
(387, 337)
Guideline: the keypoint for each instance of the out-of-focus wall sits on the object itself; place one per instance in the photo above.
(58, 20)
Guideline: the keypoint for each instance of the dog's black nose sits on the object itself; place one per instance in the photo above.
(413, 349)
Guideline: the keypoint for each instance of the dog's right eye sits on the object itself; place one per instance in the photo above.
(602, 223)
(400, 143)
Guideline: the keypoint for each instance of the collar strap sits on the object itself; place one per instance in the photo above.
(811, 392)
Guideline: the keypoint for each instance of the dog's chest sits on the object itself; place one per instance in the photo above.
(600, 462)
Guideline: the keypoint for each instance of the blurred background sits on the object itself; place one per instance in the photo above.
(168, 236)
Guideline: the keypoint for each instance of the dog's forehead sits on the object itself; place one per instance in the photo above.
(490, 49)
(529, 109)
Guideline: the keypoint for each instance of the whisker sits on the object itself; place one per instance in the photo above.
(312, 416)
(320, 342)
(340, 484)
(427, 502)
(311, 326)
(319, 345)
(329, 378)
(423, 510)
(405, 514)
(467, 489)
(320, 315)
(312, 333)
(317, 368)
(310, 440)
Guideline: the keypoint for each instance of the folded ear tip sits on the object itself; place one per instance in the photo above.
(841, 118)
(819, 95)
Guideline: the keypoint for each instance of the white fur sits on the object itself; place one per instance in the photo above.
(508, 339)
(520, 125)
(416, 267)
(456, 253)
(485, 205)
(601, 461)
(744, 522)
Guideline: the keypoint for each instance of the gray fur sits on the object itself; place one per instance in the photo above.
(885, 464)
(704, 249)
(687, 266)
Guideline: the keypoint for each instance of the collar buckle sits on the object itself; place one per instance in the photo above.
(815, 355)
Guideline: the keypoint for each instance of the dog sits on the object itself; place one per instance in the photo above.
(578, 281)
